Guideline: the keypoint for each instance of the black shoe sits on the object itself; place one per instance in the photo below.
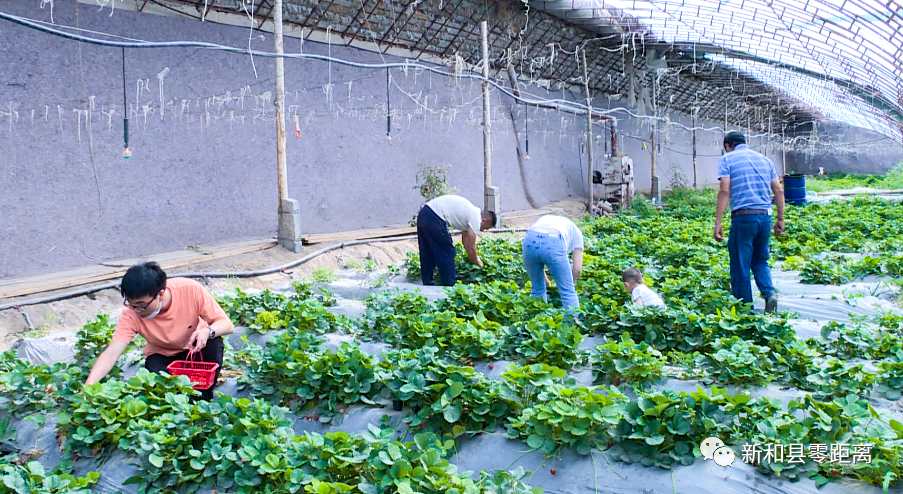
(771, 304)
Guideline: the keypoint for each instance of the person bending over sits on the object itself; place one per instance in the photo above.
(176, 316)
(547, 244)
(437, 250)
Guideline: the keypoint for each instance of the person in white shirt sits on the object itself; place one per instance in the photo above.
(547, 244)
(642, 295)
(437, 250)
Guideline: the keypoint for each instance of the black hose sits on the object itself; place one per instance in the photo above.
(236, 274)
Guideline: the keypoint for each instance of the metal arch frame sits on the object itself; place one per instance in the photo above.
(864, 84)
(829, 46)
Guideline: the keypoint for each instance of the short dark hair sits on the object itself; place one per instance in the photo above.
(491, 215)
(733, 139)
(632, 275)
(143, 280)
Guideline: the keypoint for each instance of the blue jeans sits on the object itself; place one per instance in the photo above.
(747, 245)
(541, 250)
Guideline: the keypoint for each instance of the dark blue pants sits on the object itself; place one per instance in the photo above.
(747, 244)
(436, 248)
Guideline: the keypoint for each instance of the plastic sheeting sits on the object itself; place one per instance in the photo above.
(575, 474)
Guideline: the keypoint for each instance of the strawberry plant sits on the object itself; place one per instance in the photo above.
(446, 397)
(849, 342)
(885, 468)
(835, 270)
(499, 301)
(626, 361)
(385, 313)
(304, 291)
(32, 478)
(600, 313)
(410, 321)
(242, 307)
(577, 418)
(97, 419)
(659, 429)
(93, 338)
(506, 482)
(477, 339)
(781, 428)
(236, 445)
(686, 363)
(889, 382)
(294, 372)
(550, 340)
(835, 378)
(886, 346)
(26, 388)
(527, 383)
(680, 329)
(266, 321)
(795, 360)
(738, 361)
(269, 310)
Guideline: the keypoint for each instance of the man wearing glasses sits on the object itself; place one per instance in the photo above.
(177, 317)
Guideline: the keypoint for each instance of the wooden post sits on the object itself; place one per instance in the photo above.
(487, 143)
(694, 148)
(589, 137)
(281, 173)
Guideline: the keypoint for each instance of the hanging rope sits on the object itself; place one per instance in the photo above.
(388, 109)
(125, 106)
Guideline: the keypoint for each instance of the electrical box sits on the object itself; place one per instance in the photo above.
(614, 182)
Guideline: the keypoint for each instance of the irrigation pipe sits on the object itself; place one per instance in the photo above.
(572, 107)
(233, 274)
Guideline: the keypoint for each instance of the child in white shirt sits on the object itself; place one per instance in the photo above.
(642, 295)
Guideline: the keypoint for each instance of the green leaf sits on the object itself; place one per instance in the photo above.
(655, 440)
(452, 413)
(394, 452)
(535, 441)
(384, 457)
(455, 390)
(156, 460)
(458, 430)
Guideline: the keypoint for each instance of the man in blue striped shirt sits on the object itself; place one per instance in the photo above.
(748, 180)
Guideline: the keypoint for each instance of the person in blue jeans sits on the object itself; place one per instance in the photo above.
(748, 180)
(547, 244)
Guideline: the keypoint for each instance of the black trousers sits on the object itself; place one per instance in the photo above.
(213, 352)
(436, 248)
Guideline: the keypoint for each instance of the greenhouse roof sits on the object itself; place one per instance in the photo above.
(842, 57)
(760, 64)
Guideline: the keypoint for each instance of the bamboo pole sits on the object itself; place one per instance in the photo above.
(589, 137)
(694, 149)
(281, 173)
(487, 143)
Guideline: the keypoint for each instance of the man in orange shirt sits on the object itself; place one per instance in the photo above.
(174, 315)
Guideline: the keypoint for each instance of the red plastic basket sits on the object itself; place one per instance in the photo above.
(201, 373)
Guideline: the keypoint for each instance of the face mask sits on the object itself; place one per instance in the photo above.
(156, 312)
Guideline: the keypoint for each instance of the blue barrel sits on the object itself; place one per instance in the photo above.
(795, 189)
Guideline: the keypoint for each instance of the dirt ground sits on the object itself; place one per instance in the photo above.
(67, 316)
